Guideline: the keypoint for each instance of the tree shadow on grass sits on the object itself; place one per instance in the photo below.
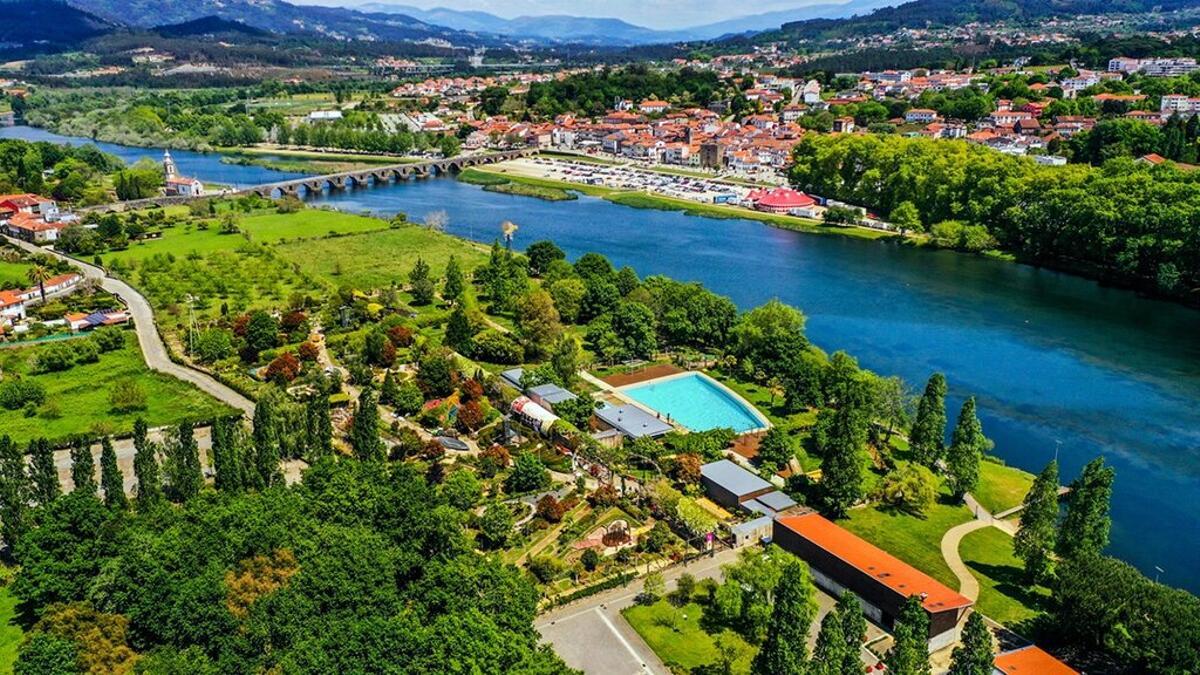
(1010, 582)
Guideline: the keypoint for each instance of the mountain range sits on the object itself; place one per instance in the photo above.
(588, 30)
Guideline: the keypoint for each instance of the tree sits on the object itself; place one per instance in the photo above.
(145, 467)
(842, 470)
(364, 429)
(564, 359)
(225, 456)
(906, 217)
(14, 491)
(785, 650)
(854, 629)
(528, 474)
(590, 559)
(1037, 536)
(775, 451)
(928, 436)
(463, 489)
(911, 488)
(829, 654)
(43, 473)
(549, 509)
(973, 656)
(910, 653)
(568, 297)
(770, 336)
(459, 331)
(455, 285)
(47, 654)
(262, 333)
(83, 467)
(541, 254)
(267, 453)
(653, 588)
(420, 283)
(495, 526)
(538, 323)
(633, 324)
(1087, 522)
(435, 373)
(182, 468)
(38, 275)
(111, 478)
(967, 446)
(319, 426)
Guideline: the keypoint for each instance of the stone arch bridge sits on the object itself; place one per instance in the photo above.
(380, 175)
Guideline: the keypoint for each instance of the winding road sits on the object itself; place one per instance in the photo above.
(154, 350)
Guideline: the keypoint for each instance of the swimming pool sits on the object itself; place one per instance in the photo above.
(697, 402)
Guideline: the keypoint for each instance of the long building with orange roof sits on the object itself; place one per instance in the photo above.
(1030, 660)
(842, 561)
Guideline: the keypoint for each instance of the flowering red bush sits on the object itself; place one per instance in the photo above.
(400, 336)
(284, 369)
(308, 352)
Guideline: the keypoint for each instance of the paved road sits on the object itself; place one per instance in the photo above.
(153, 349)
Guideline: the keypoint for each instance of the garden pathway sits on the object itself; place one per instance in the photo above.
(154, 351)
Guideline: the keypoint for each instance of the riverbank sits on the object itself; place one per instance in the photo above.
(644, 200)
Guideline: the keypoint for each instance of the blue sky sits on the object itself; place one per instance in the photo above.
(652, 13)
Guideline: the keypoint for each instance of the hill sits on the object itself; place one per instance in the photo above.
(35, 26)
(209, 25)
(934, 13)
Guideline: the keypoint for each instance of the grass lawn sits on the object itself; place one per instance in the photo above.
(1002, 596)
(10, 633)
(81, 396)
(376, 259)
(676, 635)
(263, 226)
(915, 540)
(13, 274)
(1001, 487)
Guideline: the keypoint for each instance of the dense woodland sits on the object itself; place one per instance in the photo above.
(1125, 222)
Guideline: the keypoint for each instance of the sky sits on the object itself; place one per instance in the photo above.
(650, 13)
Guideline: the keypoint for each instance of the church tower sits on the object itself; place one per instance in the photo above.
(169, 166)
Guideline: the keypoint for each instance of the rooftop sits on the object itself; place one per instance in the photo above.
(885, 568)
(733, 478)
(1031, 660)
(633, 421)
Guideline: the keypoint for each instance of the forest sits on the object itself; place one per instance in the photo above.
(1125, 222)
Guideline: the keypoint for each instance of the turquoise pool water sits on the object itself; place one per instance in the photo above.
(696, 402)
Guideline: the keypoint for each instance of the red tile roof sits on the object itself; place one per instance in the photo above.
(874, 562)
(1031, 661)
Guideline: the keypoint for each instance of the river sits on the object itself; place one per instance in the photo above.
(1058, 364)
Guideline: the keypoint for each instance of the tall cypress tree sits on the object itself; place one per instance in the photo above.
(145, 467)
(83, 466)
(967, 446)
(910, 653)
(265, 471)
(43, 473)
(364, 430)
(224, 456)
(14, 491)
(183, 464)
(458, 329)
(842, 470)
(1037, 537)
(1085, 527)
(785, 651)
(973, 656)
(111, 478)
(455, 284)
(320, 440)
(928, 436)
(854, 629)
(829, 655)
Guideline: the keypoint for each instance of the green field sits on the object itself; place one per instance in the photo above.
(676, 636)
(377, 259)
(265, 227)
(13, 274)
(1001, 487)
(915, 540)
(1002, 595)
(81, 396)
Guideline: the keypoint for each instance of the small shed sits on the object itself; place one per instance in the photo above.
(730, 485)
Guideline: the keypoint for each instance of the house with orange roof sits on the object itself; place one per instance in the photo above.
(653, 107)
(1030, 660)
(841, 561)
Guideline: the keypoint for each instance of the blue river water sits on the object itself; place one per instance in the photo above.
(1058, 364)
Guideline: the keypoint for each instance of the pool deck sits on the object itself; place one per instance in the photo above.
(641, 375)
(677, 373)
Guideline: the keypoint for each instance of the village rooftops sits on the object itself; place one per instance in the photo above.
(1031, 660)
(873, 562)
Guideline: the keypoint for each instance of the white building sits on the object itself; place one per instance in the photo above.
(176, 185)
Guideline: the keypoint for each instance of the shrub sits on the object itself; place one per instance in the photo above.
(127, 396)
(408, 399)
(212, 345)
(550, 509)
(590, 559)
(308, 352)
(19, 392)
(545, 568)
(108, 338)
(53, 359)
(86, 351)
(496, 347)
(283, 369)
